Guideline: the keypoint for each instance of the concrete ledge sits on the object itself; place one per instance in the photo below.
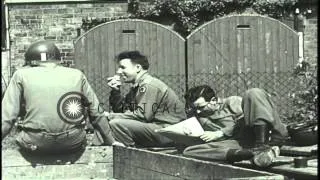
(284, 165)
(299, 151)
(132, 163)
(93, 163)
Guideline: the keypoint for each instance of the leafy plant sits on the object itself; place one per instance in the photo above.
(186, 15)
(305, 97)
(190, 14)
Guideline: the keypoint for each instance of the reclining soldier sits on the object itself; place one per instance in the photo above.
(236, 128)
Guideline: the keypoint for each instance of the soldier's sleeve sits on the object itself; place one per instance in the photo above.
(148, 98)
(116, 101)
(11, 103)
(96, 112)
(228, 125)
(235, 106)
(225, 124)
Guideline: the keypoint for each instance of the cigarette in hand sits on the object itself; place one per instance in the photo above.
(115, 78)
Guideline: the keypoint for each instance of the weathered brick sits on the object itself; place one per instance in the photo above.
(35, 20)
(87, 11)
(73, 6)
(24, 21)
(70, 54)
(66, 33)
(84, 5)
(16, 17)
(67, 15)
(67, 50)
(22, 51)
(78, 10)
(65, 11)
(30, 17)
(50, 11)
(22, 34)
(313, 21)
(53, 6)
(50, 37)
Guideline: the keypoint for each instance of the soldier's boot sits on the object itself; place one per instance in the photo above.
(262, 134)
(235, 155)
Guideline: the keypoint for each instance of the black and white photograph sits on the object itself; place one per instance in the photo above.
(159, 89)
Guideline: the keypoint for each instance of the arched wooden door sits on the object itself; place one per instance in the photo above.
(95, 51)
(237, 52)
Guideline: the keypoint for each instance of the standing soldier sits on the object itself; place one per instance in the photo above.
(57, 100)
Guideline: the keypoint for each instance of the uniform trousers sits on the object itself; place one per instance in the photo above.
(52, 143)
(138, 134)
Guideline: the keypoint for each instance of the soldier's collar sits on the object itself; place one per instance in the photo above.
(218, 100)
(140, 79)
(48, 64)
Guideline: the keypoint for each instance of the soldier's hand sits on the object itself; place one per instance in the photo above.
(105, 113)
(211, 135)
(116, 143)
(114, 82)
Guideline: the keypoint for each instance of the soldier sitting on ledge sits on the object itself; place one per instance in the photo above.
(150, 104)
(57, 101)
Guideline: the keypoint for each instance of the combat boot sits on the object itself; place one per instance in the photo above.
(262, 135)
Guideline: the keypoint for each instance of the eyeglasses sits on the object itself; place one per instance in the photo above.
(196, 106)
(202, 107)
(194, 110)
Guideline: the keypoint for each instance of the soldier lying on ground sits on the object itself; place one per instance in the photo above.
(57, 99)
(236, 128)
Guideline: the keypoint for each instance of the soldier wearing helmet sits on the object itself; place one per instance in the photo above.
(57, 99)
(42, 51)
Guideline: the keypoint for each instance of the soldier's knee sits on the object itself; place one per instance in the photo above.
(253, 92)
(188, 151)
(115, 122)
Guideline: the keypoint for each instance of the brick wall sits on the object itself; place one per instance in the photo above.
(5, 71)
(57, 22)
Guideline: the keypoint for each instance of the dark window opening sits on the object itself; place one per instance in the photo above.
(243, 26)
(127, 31)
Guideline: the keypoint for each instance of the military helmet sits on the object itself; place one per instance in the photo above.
(42, 51)
(304, 134)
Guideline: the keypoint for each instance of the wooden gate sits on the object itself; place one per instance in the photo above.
(95, 51)
(237, 52)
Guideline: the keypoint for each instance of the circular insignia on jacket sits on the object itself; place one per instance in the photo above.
(142, 89)
(71, 107)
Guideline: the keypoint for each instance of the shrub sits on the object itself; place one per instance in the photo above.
(305, 97)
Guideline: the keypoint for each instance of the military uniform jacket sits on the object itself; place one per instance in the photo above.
(150, 101)
(42, 87)
(225, 117)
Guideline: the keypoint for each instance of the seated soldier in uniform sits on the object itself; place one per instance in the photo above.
(57, 101)
(149, 105)
(236, 128)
